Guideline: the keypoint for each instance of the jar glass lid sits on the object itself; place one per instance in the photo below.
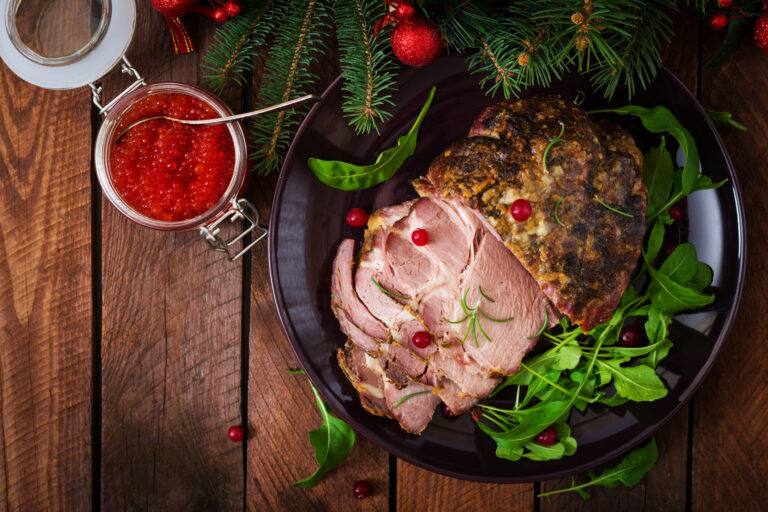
(64, 44)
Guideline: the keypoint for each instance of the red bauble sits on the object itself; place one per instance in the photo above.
(174, 8)
(761, 32)
(416, 41)
(725, 4)
(718, 21)
(232, 8)
(219, 15)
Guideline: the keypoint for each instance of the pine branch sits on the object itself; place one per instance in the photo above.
(300, 36)
(236, 45)
(366, 63)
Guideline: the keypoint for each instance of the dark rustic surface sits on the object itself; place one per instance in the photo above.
(125, 354)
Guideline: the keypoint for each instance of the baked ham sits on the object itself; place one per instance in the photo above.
(482, 286)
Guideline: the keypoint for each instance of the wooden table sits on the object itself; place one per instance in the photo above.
(125, 353)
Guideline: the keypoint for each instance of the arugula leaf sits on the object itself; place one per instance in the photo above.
(701, 279)
(629, 471)
(345, 176)
(333, 442)
(659, 120)
(680, 266)
(638, 383)
(657, 173)
(671, 297)
(724, 120)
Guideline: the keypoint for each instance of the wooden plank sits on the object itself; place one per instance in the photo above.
(45, 297)
(422, 490)
(729, 445)
(171, 343)
(282, 411)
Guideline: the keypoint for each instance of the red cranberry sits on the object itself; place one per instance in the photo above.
(421, 339)
(629, 337)
(420, 237)
(357, 217)
(666, 249)
(675, 212)
(361, 489)
(725, 4)
(236, 433)
(232, 9)
(448, 413)
(547, 437)
(520, 209)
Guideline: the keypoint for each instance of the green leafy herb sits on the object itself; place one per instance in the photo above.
(391, 294)
(657, 172)
(582, 368)
(615, 210)
(549, 146)
(346, 176)
(660, 120)
(725, 120)
(333, 441)
(474, 322)
(629, 471)
(543, 326)
(406, 397)
(557, 205)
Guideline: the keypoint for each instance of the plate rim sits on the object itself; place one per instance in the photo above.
(647, 432)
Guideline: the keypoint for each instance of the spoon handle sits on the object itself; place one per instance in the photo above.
(273, 108)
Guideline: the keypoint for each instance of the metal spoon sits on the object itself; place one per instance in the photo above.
(228, 119)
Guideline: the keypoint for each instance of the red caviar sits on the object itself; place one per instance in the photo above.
(170, 171)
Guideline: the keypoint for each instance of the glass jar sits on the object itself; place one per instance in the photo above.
(66, 44)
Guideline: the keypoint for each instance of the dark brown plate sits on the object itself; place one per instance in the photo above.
(308, 222)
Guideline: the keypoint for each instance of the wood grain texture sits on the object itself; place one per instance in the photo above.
(45, 297)
(424, 491)
(171, 344)
(729, 445)
(282, 411)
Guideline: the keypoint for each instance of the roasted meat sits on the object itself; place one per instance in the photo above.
(581, 252)
(482, 286)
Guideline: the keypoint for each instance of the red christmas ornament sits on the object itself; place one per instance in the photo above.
(725, 4)
(219, 15)
(232, 9)
(718, 21)
(761, 32)
(174, 8)
(416, 41)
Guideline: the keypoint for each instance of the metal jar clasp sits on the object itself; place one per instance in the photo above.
(239, 209)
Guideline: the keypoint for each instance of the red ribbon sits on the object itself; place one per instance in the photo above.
(182, 43)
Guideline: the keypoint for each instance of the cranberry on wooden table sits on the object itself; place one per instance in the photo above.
(420, 237)
(547, 437)
(361, 489)
(236, 433)
(520, 209)
(357, 217)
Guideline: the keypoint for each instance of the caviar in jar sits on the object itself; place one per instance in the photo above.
(170, 171)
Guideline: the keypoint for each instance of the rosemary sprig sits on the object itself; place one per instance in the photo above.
(406, 397)
(615, 210)
(557, 205)
(474, 321)
(552, 143)
(391, 294)
(543, 326)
